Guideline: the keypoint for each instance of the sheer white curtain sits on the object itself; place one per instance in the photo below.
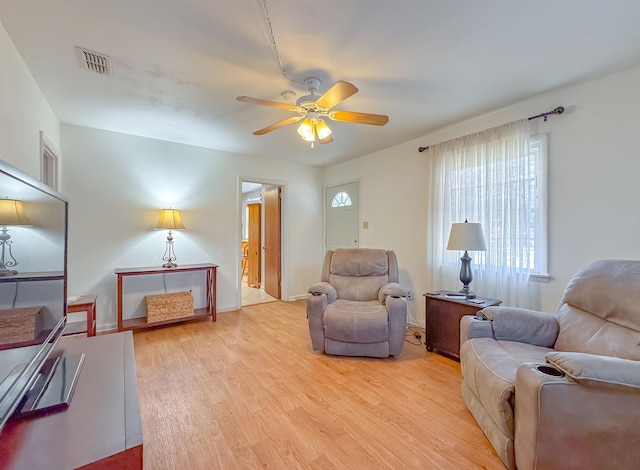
(489, 177)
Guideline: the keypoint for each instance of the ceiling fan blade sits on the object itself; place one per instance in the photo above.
(278, 125)
(274, 104)
(336, 94)
(359, 118)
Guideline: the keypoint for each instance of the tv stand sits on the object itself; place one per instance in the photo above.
(100, 429)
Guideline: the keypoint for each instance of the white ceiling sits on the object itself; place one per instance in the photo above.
(179, 64)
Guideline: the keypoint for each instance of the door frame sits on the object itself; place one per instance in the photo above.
(284, 203)
(324, 207)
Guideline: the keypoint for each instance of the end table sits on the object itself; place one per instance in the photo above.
(443, 320)
(85, 303)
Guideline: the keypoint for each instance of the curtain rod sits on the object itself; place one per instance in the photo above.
(558, 110)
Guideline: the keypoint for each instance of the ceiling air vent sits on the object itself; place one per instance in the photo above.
(94, 61)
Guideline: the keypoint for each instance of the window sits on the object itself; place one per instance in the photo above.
(539, 213)
(341, 199)
(503, 190)
(499, 179)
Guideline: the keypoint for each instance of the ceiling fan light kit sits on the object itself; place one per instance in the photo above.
(315, 129)
(312, 108)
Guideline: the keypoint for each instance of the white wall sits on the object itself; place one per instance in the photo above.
(24, 112)
(593, 183)
(117, 184)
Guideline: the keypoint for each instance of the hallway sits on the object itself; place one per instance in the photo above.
(252, 295)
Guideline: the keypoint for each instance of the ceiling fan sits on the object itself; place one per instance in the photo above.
(312, 108)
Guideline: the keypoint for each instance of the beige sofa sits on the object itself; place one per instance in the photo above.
(358, 308)
(561, 391)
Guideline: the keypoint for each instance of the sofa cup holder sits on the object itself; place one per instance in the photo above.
(548, 370)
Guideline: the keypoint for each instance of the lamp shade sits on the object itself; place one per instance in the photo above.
(466, 236)
(12, 213)
(322, 130)
(170, 219)
(306, 130)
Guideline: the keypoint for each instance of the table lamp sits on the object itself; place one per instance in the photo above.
(468, 237)
(11, 214)
(170, 219)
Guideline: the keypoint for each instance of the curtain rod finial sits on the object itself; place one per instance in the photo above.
(422, 149)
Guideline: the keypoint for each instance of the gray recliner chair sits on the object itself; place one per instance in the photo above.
(358, 309)
(561, 391)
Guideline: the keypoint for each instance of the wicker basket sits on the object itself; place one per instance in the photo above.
(20, 324)
(169, 306)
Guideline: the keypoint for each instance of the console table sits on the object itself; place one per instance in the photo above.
(101, 429)
(443, 320)
(209, 311)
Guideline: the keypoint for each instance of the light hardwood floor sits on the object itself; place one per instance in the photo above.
(248, 392)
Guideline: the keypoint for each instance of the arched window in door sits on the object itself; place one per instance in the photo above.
(341, 199)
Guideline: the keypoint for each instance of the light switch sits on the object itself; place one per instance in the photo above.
(365, 225)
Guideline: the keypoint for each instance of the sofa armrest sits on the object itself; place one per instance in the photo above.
(585, 368)
(391, 289)
(565, 423)
(324, 288)
(523, 325)
(471, 326)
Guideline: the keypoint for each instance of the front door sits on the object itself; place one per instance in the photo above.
(342, 216)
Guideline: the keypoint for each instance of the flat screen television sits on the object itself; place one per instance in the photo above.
(33, 297)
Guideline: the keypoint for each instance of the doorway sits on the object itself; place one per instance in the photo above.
(261, 253)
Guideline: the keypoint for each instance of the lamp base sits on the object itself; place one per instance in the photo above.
(8, 272)
(169, 255)
(466, 276)
(469, 294)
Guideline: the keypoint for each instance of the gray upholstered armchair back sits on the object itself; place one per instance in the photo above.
(358, 274)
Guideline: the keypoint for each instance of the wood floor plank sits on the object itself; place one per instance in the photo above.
(248, 392)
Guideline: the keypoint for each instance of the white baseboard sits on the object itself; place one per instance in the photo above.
(107, 328)
(297, 297)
